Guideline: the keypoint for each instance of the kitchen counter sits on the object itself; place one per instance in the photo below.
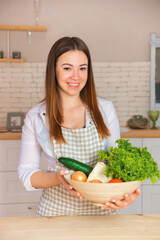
(141, 133)
(107, 227)
(10, 136)
(132, 133)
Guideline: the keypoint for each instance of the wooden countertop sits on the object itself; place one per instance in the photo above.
(10, 136)
(107, 227)
(133, 133)
(142, 133)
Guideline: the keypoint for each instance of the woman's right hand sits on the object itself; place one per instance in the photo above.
(69, 187)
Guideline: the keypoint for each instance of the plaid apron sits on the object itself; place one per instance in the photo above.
(83, 145)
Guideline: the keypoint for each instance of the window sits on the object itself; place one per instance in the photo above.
(155, 75)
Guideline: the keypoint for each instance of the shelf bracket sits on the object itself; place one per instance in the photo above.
(8, 43)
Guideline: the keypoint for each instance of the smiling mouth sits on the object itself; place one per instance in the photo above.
(74, 85)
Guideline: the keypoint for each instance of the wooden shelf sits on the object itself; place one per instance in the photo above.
(33, 28)
(11, 60)
(27, 28)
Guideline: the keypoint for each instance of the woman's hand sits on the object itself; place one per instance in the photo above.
(69, 187)
(117, 204)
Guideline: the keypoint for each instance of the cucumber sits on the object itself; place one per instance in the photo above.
(75, 165)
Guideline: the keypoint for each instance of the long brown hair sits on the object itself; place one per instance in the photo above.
(88, 93)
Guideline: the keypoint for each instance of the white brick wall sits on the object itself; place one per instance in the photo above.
(125, 84)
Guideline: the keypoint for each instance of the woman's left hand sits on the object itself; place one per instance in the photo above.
(116, 204)
(69, 187)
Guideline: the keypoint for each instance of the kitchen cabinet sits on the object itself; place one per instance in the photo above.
(151, 199)
(153, 146)
(18, 210)
(151, 194)
(148, 201)
(14, 199)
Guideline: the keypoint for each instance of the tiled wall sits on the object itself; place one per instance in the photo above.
(125, 84)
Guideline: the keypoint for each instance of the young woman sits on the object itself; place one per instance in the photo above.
(70, 122)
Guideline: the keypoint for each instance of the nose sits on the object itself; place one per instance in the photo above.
(75, 74)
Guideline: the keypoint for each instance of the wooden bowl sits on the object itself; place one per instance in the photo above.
(99, 193)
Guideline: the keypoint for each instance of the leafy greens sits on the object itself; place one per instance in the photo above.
(129, 163)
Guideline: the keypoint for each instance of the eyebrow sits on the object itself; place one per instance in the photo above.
(84, 64)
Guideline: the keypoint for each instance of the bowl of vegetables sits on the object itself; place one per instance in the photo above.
(120, 170)
(99, 192)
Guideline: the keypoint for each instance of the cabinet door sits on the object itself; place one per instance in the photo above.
(137, 142)
(151, 199)
(151, 194)
(18, 210)
(135, 207)
(9, 154)
(12, 191)
(153, 145)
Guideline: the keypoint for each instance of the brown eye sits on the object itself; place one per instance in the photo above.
(67, 68)
(83, 68)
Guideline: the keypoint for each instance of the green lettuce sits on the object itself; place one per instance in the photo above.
(129, 163)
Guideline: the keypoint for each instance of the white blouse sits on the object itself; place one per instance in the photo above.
(35, 139)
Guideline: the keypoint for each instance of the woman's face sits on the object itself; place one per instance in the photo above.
(72, 72)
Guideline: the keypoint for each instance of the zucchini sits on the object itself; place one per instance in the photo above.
(75, 165)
